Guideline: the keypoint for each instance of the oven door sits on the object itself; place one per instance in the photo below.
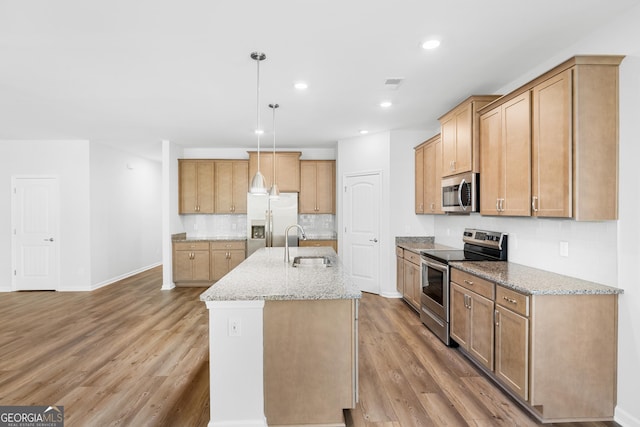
(435, 288)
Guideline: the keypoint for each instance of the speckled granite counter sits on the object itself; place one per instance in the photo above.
(417, 244)
(532, 281)
(265, 276)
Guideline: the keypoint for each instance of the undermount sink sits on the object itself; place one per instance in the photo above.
(311, 261)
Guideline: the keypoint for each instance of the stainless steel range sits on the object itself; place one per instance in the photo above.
(479, 245)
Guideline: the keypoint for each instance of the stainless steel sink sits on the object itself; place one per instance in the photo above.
(311, 261)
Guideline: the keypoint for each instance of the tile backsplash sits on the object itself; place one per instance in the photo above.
(316, 226)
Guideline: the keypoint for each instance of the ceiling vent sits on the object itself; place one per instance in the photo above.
(393, 83)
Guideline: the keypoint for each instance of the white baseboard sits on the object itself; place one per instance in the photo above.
(239, 423)
(625, 419)
(391, 295)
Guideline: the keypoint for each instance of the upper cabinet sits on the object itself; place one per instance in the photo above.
(428, 164)
(460, 136)
(318, 186)
(231, 186)
(505, 158)
(573, 129)
(287, 169)
(196, 184)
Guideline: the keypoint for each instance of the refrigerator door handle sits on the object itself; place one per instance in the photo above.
(269, 229)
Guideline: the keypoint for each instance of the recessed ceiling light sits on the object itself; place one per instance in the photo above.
(301, 85)
(363, 131)
(386, 104)
(431, 44)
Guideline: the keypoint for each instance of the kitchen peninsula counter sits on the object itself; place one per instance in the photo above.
(283, 346)
(532, 281)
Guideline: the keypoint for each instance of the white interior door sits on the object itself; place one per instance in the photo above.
(35, 224)
(361, 214)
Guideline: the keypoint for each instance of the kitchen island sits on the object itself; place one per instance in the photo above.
(282, 341)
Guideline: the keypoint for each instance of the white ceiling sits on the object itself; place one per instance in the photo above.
(134, 72)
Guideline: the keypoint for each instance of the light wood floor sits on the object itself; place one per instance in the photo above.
(130, 354)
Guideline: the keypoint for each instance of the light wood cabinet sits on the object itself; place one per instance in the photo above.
(471, 316)
(231, 186)
(287, 169)
(574, 137)
(191, 263)
(318, 186)
(196, 186)
(505, 158)
(319, 242)
(555, 354)
(460, 136)
(428, 172)
(400, 270)
(412, 283)
(225, 256)
(310, 361)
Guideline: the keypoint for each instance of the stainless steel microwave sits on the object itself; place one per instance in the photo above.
(461, 193)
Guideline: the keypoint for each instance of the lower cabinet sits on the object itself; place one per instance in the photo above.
(200, 263)
(400, 270)
(412, 285)
(555, 354)
(225, 256)
(190, 263)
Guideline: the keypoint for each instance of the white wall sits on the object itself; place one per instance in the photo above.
(125, 214)
(171, 221)
(69, 161)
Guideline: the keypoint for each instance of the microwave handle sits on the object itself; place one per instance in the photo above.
(464, 208)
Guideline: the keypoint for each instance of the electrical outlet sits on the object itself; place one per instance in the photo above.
(235, 327)
(564, 248)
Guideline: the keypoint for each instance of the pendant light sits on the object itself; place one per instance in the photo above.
(274, 193)
(257, 183)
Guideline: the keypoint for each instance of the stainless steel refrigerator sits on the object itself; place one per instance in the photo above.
(267, 220)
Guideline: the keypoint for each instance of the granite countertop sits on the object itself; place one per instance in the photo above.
(532, 281)
(417, 244)
(265, 276)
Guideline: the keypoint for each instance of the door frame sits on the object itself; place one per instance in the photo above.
(343, 242)
(14, 248)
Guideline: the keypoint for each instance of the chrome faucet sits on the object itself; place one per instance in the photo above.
(286, 240)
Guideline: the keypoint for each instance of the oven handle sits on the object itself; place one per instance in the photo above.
(436, 266)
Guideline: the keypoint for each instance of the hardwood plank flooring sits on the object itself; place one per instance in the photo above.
(130, 354)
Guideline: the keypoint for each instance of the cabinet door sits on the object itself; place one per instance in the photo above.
(551, 147)
(182, 269)
(326, 186)
(240, 186)
(236, 256)
(200, 266)
(464, 141)
(224, 187)
(219, 264)
(429, 178)
(288, 171)
(490, 161)
(512, 351)
(400, 274)
(419, 180)
(459, 313)
(308, 180)
(448, 136)
(516, 160)
(481, 332)
(188, 185)
(417, 286)
(265, 165)
(437, 176)
(412, 284)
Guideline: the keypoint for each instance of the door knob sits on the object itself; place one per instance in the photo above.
(374, 240)
(49, 239)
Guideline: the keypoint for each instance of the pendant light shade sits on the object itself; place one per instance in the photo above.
(274, 193)
(258, 185)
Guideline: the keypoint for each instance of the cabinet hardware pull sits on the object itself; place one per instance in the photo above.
(468, 282)
(497, 317)
(534, 203)
(511, 300)
(497, 205)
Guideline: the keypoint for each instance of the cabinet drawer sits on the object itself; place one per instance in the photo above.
(512, 300)
(228, 244)
(191, 246)
(399, 252)
(473, 283)
(412, 257)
